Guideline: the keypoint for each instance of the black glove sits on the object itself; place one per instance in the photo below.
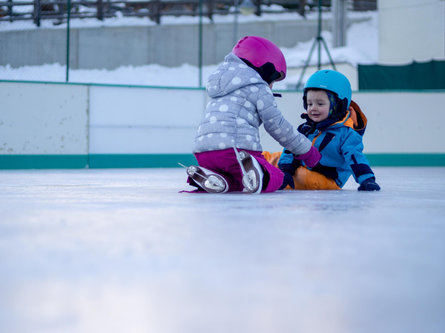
(369, 185)
(287, 180)
(288, 164)
(288, 170)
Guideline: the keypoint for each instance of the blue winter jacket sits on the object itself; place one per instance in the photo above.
(341, 148)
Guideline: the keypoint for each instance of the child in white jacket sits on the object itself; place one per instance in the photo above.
(227, 144)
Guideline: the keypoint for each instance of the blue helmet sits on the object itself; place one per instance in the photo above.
(333, 81)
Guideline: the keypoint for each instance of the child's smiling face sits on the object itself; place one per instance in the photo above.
(318, 105)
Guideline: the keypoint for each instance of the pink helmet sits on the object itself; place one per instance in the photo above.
(259, 51)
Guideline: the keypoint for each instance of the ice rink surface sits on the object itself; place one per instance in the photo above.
(123, 251)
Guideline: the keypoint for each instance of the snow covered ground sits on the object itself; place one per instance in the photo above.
(361, 48)
(123, 251)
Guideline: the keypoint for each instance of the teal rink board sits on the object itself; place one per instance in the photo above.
(171, 161)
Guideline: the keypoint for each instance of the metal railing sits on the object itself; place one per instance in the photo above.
(58, 10)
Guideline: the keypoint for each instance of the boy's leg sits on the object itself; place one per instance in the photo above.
(305, 179)
(272, 158)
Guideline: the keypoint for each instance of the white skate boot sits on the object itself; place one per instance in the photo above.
(206, 179)
(252, 172)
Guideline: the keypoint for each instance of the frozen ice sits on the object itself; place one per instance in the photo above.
(122, 250)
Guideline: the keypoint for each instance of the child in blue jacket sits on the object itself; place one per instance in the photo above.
(335, 125)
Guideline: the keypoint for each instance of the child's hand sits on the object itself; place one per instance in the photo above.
(288, 164)
(287, 180)
(369, 185)
(311, 158)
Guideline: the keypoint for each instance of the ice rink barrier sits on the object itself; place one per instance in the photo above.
(58, 125)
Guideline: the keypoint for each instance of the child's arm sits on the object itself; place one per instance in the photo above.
(277, 126)
(362, 172)
(289, 162)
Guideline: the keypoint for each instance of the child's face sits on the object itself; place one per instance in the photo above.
(318, 105)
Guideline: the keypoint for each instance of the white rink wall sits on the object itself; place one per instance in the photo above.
(143, 121)
(76, 119)
(43, 119)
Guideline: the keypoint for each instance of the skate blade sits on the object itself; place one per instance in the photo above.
(212, 183)
(252, 179)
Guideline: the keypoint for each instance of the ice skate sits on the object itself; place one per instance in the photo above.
(252, 172)
(208, 180)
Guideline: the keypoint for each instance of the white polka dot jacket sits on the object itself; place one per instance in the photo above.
(240, 101)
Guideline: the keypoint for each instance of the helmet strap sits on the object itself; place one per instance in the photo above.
(267, 71)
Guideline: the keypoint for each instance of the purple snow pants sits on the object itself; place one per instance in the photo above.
(224, 162)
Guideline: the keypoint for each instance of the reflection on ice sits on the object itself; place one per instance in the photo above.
(123, 251)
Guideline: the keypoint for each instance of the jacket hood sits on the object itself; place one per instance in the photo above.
(359, 120)
(230, 76)
(355, 118)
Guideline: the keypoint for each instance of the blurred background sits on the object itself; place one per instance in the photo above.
(81, 80)
(105, 40)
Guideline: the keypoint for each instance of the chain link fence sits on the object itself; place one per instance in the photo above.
(81, 40)
(59, 10)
